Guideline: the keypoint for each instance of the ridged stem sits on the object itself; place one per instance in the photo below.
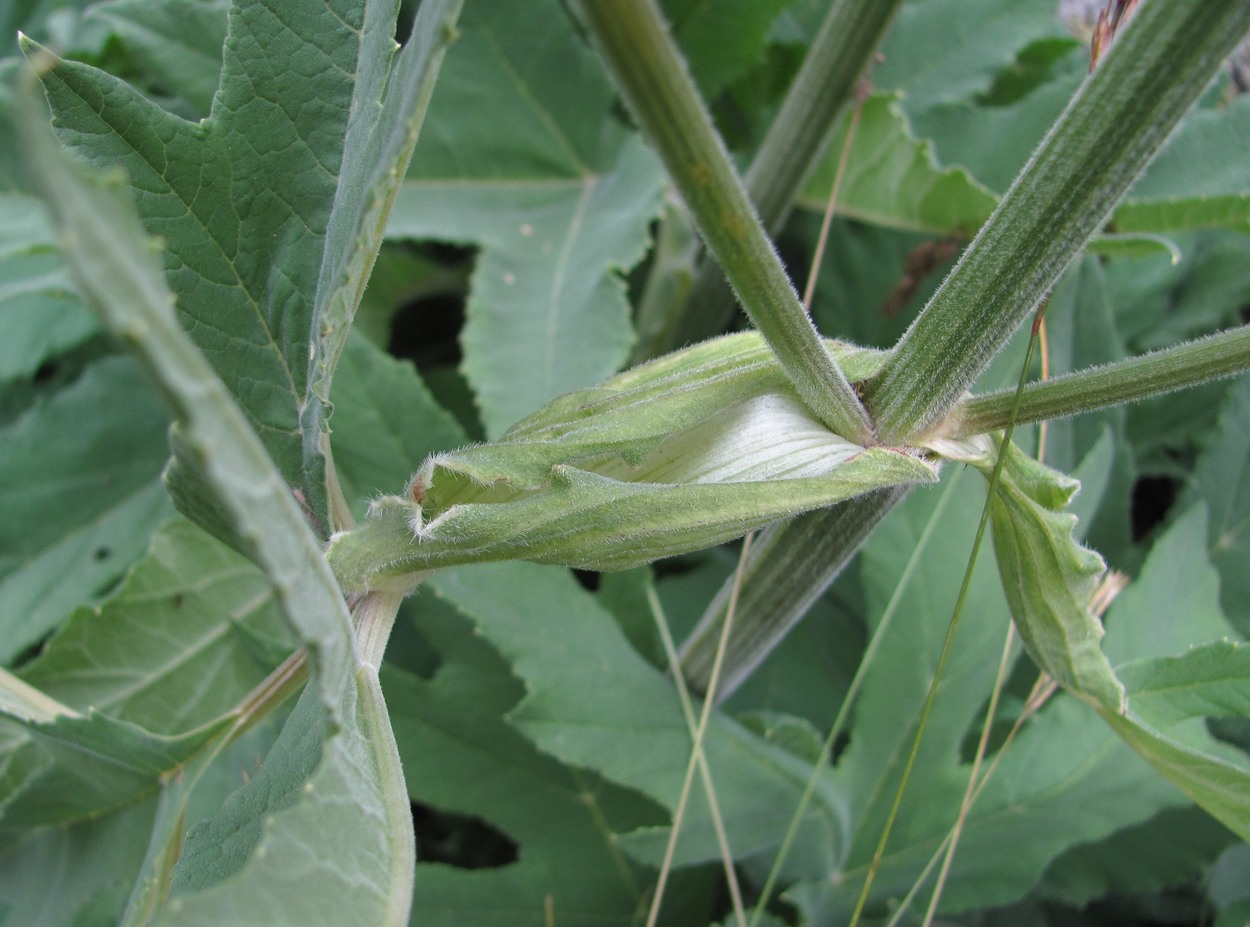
(1123, 113)
(790, 566)
(635, 43)
(1153, 374)
(796, 139)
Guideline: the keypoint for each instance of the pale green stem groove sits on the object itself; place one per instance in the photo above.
(375, 617)
(1123, 113)
(634, 41)
(817, 98)
(1221, 355)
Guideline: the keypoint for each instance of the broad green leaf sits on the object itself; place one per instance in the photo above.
(39, 312)
(1067, 779)
(1212, 681)
(385, 422)
(1167, 688)
(192, 616)
(355, 781)
(893, 179)
(1171, 850)
(117, 266)
(175, 43)
(659, 461)
(524, 158)
(993, 142)
(911, 569)
(722, 39)
(1218, 783)
(89, 764)
(1178, 578)
(461, 756)
(591, 701)
(947, 50)
(75, 875)
(69, 532)
(282, 268)
(1220, 478)
(982, 80)
(317, 796)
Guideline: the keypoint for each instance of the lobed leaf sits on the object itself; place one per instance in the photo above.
(522, 157)
(1067, 778)
(591, 701)
(192, 616)
(275, 260)
(466, 763)
(893, 179)
(1049, 578)
(86, 765)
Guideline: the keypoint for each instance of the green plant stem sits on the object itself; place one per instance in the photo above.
(1158, 65)
(867, 661)
(796, 139)
(634, 41)
(793, 563)
(948, 643)
(1153, 374)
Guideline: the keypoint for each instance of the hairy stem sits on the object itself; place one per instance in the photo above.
(634, 41)
(1123, 113)
(795, 141)
(1152, 374)
(791, 566)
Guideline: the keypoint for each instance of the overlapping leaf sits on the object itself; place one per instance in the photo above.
(39, 312)
(1050, 581)
(1066, 780)
(192, 613)
(524, 158)
(192, 616)
(69, 533)
(592, 701)
(452, 731)
(283, 266)
(1048, 577)
(341, 769)
(893, 179)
